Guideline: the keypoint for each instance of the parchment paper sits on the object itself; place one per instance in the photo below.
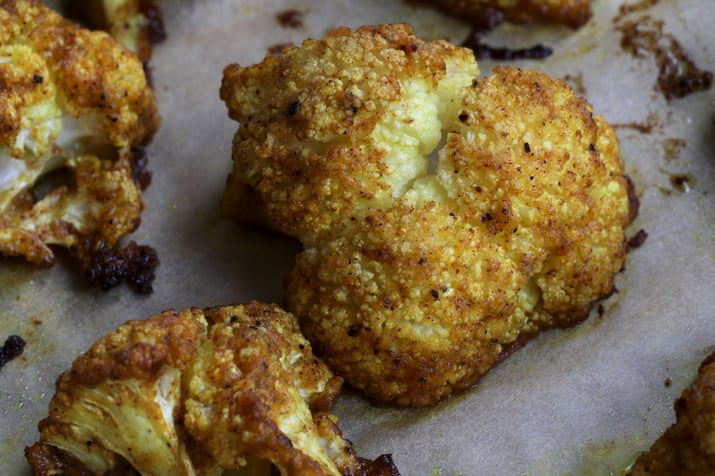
(580, 401)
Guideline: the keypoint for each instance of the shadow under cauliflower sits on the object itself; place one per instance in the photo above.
(75, 110)
(445, 217)
(199, 392)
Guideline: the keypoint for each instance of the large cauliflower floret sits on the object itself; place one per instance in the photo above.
(74, 107)
(573, 13)
(445, 218)
(197, 392)
(688, 446)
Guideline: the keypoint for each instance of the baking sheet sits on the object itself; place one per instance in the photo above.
(579, 401)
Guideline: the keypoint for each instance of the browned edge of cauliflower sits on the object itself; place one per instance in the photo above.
(76, 111)
(688, 446)
(445, 217)
(572, 13)
(197, 392)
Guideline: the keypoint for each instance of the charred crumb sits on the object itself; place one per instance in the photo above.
(134, 264)
(13, 347)
(382, 465)
(678, 75)
(601, 310)
(637, 240)
(290, 18)
(154, 23)
(140, 174)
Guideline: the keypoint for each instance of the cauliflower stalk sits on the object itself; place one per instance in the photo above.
(74, 109)
(445, 217)
(195, 393)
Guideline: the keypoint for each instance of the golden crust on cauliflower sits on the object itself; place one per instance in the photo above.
(445, 218)
(196, 392)
(573, 13)
(688, 446)
(74, 110)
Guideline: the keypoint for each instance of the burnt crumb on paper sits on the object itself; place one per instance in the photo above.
(106, 267)
(290, 18)
(13, 347)
(485, 51)
(637, 240)
(678, 75)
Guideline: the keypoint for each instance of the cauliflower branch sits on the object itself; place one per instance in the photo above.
(688, 446)
(573, 13)
(196, 392)
(75, 109)
(445, 218)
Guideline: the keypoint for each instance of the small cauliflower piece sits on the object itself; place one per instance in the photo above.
(573, 13)
(688, 446)
(197, 392)
(136, 24)
(75, 110)
(445, 218)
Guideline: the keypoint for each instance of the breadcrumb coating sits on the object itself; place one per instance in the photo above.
(195, 392)
(688, 446)
(445, 217)
(74, 109)
(573, 13)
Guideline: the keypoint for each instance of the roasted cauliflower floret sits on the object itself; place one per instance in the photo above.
(445, 218)
(688, 446)
(75, 108)
(136, 24)
(573, 13)
(198, 392)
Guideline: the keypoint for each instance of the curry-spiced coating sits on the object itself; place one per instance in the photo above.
(485, 13)
(136, 24)
(75, 108)
(196, 392)
(445, 218)
(688, 446)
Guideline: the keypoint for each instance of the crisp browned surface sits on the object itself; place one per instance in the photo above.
(688, 446)
(196, 391)
(573, 13)
(414, 282)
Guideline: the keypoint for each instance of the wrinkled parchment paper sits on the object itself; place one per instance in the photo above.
(580, 401)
